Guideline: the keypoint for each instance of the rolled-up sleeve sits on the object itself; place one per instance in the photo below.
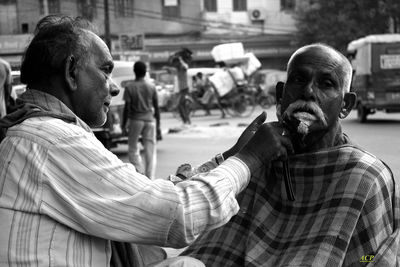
(92, 191)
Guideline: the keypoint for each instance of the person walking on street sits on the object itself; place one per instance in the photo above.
(180, 63)
(5, 87)
(210, 96)
(143, 116)
(65, 199)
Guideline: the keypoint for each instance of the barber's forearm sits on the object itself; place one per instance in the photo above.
(214, 200)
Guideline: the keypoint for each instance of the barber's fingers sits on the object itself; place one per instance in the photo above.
(281, 141)
(286, 148)
(256, 123)
(251, 129)
(260, 119)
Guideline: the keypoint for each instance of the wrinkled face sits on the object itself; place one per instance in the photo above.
(313, 93)
(94, 84)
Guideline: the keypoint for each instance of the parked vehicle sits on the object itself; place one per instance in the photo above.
(376, 77)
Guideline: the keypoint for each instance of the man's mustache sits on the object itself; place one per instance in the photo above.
(305, 106)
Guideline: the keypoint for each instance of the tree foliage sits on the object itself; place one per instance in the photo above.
(340, 21)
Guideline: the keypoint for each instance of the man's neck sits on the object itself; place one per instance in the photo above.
(319, 140)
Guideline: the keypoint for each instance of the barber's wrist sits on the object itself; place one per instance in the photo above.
(251, 160)
(219, 158)
(228, 153)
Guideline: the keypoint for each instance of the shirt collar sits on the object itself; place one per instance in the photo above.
(53, 106)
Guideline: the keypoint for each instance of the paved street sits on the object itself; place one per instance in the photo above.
(210, 134)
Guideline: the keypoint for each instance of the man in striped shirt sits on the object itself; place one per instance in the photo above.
(64, 197)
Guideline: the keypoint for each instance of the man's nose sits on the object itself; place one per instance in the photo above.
(114, 88)
(308, 90)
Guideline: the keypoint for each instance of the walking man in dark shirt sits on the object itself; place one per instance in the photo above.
(143, 118)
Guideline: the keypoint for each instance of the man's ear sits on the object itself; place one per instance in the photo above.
(348, 104)
(279, 91)
(70, 73)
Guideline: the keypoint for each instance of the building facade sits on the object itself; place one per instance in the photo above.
(152, 30)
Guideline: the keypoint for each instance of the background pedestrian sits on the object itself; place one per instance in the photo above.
(142, 114)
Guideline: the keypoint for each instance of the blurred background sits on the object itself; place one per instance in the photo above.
(270, 30)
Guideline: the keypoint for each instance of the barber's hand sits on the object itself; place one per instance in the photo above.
(246, 135)
(125, 128)
(268, 144)
(158, 134)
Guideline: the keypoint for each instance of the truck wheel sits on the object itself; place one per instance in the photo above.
(362, 113)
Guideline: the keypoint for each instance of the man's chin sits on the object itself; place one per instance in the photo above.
(303, 141)
(99, 122)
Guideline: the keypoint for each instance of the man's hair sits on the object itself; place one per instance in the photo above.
(139, 68)
(347, 70)
(56, 38)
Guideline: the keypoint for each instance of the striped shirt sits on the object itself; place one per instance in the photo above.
(63, 196)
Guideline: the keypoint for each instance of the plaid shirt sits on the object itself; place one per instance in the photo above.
(346, 207)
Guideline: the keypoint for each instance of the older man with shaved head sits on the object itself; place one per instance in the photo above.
(328, 202)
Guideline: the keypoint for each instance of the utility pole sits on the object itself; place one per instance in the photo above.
(45, 7)
(107, 25)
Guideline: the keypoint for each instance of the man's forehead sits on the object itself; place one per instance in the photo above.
(99, 47)
(317, 57)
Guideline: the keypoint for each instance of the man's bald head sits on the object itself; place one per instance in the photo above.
(326, 52)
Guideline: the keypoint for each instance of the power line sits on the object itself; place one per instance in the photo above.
(202, 22)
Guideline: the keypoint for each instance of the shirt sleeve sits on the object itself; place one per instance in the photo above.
(89, 189)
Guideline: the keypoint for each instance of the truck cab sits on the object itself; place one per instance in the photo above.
(376, 73)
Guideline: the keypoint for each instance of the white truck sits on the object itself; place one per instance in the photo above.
(376, 77)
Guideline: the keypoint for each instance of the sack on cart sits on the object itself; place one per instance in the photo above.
(224, 80)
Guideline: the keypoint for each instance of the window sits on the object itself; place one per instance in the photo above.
(170, 8)
(49, 6)
(54, 6)
(123, 8)
(239, 5)
(87, 9)
(288, 5)
(210, 5)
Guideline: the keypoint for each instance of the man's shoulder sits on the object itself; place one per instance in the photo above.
(134, 85)
(46, 130)
(367, 165)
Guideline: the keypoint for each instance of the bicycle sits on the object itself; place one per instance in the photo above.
(239, 102)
